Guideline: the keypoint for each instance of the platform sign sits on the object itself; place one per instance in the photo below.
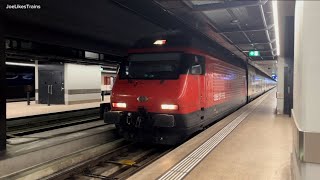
(254, 53)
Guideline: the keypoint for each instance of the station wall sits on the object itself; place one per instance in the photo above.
(82, 83)
(306, 98)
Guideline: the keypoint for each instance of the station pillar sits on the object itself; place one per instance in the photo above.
(306, 113)
(36, 81)
(285, 57)
(3, 87)
(280, 84)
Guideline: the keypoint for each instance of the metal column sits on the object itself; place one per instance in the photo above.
(3, 87)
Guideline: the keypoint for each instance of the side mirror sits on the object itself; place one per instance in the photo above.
(196, 69)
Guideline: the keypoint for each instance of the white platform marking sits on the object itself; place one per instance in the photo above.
(181, 169)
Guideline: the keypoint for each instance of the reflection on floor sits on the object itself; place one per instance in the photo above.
(259, 148)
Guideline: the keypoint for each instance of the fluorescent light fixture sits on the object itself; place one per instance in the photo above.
(276, 24)
(111, 72)
(20, 64)
(91, 55)
(160, 42)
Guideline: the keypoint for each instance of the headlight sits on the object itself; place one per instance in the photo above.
(169, 106)
(119, 105)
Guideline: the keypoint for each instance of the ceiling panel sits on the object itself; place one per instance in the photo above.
(249, 17)
(245, 47)
(257, 36)
(222, 19)
(268, 12)
(262, 47)
(237, 37)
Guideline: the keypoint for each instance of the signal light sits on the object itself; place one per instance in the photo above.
(169, 107)
(160, 42)
(119, 105)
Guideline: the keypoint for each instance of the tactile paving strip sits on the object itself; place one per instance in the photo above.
(181, 169)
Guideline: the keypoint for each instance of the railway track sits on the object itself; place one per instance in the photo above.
(119, 163)
(34, 124)
(58, 148)
(114, 159)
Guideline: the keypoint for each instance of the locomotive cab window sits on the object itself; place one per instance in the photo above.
(196, 69)
(197, 65)
(151, 66)
(123, 71)
(161, 66)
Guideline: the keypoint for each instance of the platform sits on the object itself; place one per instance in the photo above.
(258, 148)
(21, 109)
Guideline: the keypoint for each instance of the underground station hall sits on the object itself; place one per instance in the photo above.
(159, 89)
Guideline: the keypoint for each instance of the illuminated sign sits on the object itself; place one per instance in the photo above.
(254, 53)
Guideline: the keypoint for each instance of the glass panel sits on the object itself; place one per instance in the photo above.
(152, 66)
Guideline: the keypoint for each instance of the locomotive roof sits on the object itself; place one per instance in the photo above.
(183, 40)
(172, 40)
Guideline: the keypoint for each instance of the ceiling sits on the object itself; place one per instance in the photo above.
(111, 26)
(240, 26)
(101, 24)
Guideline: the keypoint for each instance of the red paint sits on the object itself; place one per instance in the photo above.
(107, 80)
(221, 83)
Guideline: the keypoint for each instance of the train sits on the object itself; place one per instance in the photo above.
(174, 85)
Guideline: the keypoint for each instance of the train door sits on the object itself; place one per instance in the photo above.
(247, 83)
(202, 82)
(288, 83)
(289, 60)
(51, 84)
(57, 87)
(198, 68)
(44, 86)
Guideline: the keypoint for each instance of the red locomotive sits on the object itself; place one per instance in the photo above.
(174, 85)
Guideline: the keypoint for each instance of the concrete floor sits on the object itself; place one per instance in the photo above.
(258, 149)
(21, 109)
